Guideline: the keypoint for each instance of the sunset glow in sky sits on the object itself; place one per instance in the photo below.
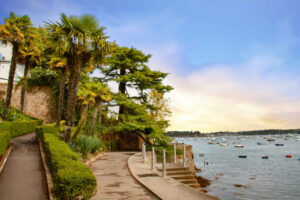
(235, 65)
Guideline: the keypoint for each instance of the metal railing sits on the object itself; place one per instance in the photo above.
(164, 160)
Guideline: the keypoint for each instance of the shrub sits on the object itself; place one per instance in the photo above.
(18, 128)
(13, 114)
(13, 129)
(71, 178)
(86, 144)
(4, 141)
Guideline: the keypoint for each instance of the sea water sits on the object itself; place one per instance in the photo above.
(253, 177)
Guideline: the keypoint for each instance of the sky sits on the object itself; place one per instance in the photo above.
(234, 65)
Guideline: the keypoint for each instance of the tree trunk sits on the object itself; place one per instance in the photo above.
(98, 106)
(82, 120)
(122, 89)
(61, 95)
(10, 83)
(75, 70)
(23, 90)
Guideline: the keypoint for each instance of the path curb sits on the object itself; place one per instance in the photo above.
(135, 178)
(4, 159)
(46, 170)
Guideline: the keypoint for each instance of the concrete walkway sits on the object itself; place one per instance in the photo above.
(165, 188)
(114, 180)
(22, 177)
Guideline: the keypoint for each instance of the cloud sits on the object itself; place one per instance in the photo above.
(259, 93)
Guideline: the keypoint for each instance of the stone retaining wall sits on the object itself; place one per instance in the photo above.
(39, 102)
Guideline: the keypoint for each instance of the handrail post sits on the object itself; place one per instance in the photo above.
(153, 156)
(175, 159)
(164, 163)
(184, 158)
(144, 151)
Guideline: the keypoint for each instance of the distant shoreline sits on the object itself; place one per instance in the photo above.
(239, 133)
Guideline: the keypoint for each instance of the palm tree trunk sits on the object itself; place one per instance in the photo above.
(23, 90)
(61, 95)
(98, 106)
(82, 120)
(122, 89)
(10, 83)
(100, 114)
(75, 70)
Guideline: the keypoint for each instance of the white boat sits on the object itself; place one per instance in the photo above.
(223, 144)
(213, 142)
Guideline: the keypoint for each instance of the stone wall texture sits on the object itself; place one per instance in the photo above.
(39, 102)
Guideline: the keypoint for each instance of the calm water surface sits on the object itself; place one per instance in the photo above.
(275, 178)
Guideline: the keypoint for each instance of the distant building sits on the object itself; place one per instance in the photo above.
(5, 58)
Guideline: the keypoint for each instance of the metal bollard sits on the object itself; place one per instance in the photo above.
(153, 156)
(164, 164)
(175, 159)
(144, 151)
(184, 158)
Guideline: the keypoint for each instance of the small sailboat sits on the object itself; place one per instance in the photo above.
(213, 142)
(265, 157)
(239, 146)
(223, 144)
(261, 143)
(279, 144)
(270, 139)
(242, 156)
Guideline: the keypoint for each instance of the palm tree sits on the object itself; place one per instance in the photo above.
(13, 31)
(101, 93)
(30, 52)
(86, 98)
(59, 62)
(79, 40)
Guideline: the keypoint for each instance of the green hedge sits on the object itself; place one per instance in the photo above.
(13, 129)
(71, 178)
(4, 141)
(18, 128)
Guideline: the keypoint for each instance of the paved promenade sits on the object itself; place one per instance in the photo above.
(165, 188)
(22, 177)
(114, 180)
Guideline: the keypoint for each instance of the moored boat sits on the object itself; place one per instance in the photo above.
(261, 143)
(279, 144)
(223, 144)
(242, 156)
(288, 156)
(239, 146)
(270, 139)
(213, 142)
(265, 157)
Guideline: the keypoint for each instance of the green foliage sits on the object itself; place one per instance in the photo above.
(18, 128)
(71, 178)
(13, 129)
(86, 144)
(13, 114)
(4, 141)
(42, 76)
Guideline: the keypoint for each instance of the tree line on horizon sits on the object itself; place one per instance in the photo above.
(64, 54)
(228, 133)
